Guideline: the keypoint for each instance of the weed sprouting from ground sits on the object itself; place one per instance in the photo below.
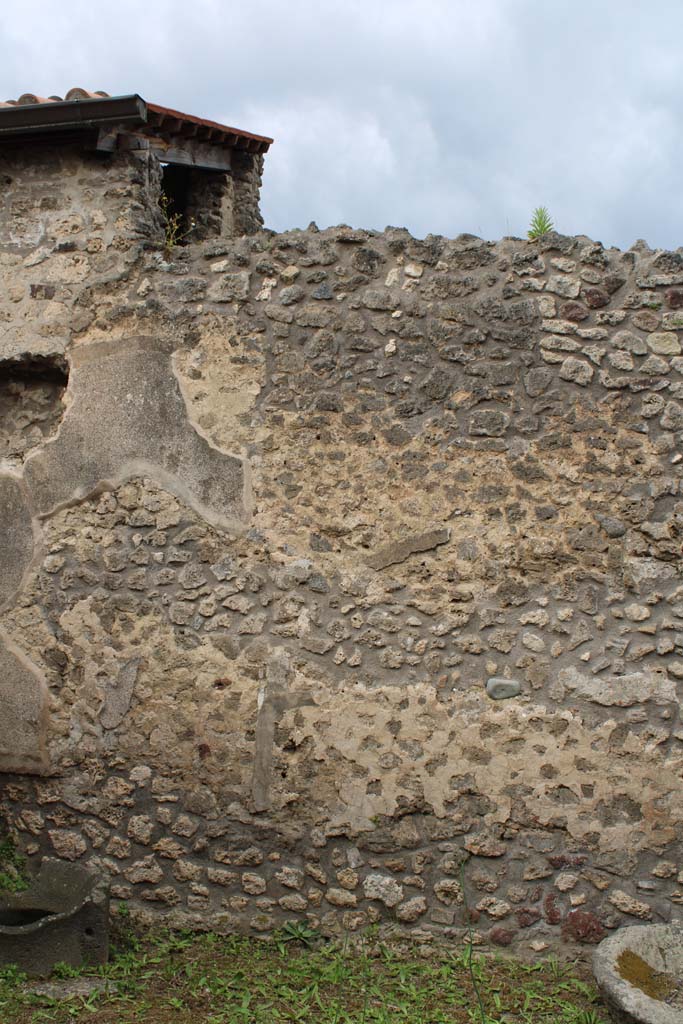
(212, 979)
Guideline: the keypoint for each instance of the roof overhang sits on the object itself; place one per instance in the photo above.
(170, 129)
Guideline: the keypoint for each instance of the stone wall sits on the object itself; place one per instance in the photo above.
(246, 175)
(344, 566)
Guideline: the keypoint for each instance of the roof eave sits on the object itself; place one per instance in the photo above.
(69, 115)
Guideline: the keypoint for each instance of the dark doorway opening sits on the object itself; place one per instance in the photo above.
(196, 203)
(174, 200)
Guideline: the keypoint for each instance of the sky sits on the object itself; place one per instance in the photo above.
(442, 116)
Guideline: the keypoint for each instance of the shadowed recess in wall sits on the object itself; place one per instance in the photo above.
(31, 406)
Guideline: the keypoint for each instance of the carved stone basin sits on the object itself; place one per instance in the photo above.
(63, 917)
(639, 972)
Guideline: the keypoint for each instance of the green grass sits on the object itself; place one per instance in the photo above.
(12, 866)
(177, 978)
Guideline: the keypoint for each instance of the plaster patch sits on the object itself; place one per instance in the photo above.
(120, 392)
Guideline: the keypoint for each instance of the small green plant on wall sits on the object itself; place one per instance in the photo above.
(174, 228)
(12, 877)
(541, 222)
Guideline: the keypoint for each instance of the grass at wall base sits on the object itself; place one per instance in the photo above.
(182, 978)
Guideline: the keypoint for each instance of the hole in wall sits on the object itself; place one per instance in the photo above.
(174, 200)
(199, 199)
(31, 403)
(17, 918)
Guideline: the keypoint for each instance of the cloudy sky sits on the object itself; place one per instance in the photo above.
(439, 115)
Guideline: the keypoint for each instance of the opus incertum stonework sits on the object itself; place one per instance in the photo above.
(337, 565)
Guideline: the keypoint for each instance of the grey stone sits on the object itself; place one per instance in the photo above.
(23, 722)
(16, 537)
(384, 888)
(119, 694)
(499, 688)
(664, 343)
(537, 380)
(489, 423)
(567, 287)
(294, 293)
(230, 288)
(576, 370)
(641, 573)
(437, 385)
(400, 550)
(63, 917)
(411, 909)
(618, 691)
(660, 946)
(654, 366)
(378, 298)
(672, 418)
(612, 527)
(69, 988)
(630, 343)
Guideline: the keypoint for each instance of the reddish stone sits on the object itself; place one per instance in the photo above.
(583, 926)
(501, 936)
(526, 916)
(674, 298)
(553, 914)
(567, 860)
(595, 297)
(574, 311)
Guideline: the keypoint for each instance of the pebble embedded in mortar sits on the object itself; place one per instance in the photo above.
(499, 688)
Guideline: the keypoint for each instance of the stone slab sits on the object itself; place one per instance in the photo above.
(16, 538)
(660, 947)
(23, 722)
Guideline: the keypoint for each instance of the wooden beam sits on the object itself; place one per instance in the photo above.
(133, 142)
(189, 153)
(107, 139)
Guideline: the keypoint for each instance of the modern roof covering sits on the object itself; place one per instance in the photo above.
(80, 111)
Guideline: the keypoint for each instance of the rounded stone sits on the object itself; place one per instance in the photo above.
(499, 688)
(664, 343)
(576, 370)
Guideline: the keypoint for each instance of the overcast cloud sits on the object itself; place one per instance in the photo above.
(439, 115)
